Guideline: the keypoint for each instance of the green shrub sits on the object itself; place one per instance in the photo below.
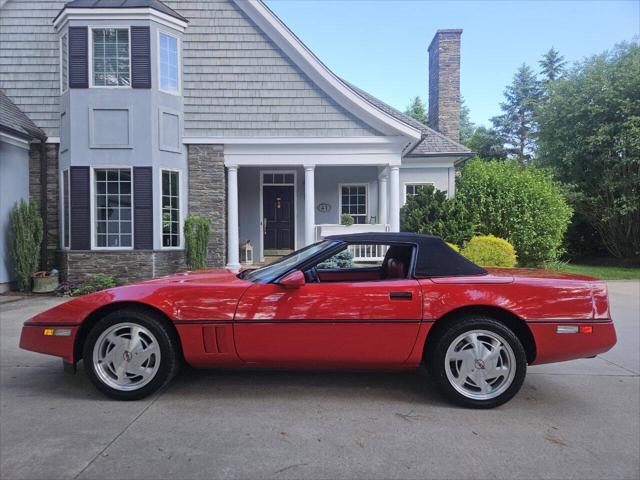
(196, 235)
(25, 238)
(429, 211)
(490, 251)
(99, 281)
(454, 246)
(343, 259)
(346, 219)
(523, 205)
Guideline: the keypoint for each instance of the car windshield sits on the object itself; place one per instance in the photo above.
(279, 267)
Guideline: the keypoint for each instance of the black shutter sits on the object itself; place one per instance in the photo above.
(140, 57)
(78, 57)
(80, 209)
(143, 208)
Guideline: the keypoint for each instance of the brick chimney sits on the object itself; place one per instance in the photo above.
(444, 83)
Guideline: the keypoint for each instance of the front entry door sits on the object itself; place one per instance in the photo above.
(278, 212)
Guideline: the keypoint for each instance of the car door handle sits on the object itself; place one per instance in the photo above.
(401, 295)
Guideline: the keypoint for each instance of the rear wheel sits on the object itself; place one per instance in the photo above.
(129, 355)
(478, 362)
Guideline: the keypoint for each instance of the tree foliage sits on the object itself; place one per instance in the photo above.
(590, 135)
(430, 211)
(25, 238)
(417, 109)
(196, 235)
(552, 65)
(517, 124)
(487, 144)
(490, 251)
(467, 127)
(522, 205)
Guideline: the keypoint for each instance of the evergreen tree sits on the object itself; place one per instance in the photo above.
(517, 125)
(417, 110)
(487, 144)
(466, 125)
(552, 65)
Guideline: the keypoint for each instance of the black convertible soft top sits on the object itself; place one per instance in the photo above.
(434, 257)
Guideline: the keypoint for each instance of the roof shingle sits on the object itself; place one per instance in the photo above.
(15, 121)
(432, 142)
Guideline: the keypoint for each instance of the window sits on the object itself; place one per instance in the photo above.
(411, 189)
(353, 200)
(169, 71)
(170, 209)
(111, 66)
(66, 210)
(113, 208)
(278, 179)
(64, 63)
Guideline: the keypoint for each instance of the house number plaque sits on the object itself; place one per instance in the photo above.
(324, 207)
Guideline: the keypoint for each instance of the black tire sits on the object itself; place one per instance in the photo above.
(436, 364)
(169, 363)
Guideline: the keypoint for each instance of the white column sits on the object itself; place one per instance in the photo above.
(383, 205)
(233, 233)
(309, 204)
(394, 201)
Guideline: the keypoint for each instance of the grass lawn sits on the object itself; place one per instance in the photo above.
(603, 272)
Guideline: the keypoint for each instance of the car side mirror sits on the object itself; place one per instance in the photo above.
(293, 280)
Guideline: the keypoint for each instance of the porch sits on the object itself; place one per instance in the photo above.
(278, 209)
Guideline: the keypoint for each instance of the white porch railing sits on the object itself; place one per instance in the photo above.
(361, 253)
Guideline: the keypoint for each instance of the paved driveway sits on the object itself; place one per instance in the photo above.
(574, 420)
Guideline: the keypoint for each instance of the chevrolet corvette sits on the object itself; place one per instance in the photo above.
(422, 303)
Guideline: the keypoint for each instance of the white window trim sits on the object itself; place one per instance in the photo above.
(92, 197)
(63, 195)
(177, 92)
(404, 189)
(91, 73)
(295, 206)
(366, 200)
(180, 209)
(62, 89)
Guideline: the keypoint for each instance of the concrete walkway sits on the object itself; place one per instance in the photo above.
(577, 420)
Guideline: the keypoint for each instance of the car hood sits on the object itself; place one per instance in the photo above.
(209, 277)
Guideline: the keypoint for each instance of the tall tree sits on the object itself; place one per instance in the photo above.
(417, 110)
(517, 124)
(552, 65)
(466, 125)
(590, 134)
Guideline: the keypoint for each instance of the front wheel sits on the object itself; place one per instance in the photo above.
(478, 362)
(129, 355)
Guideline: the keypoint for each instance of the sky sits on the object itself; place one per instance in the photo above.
(381, 45)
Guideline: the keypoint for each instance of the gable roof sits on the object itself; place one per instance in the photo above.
(433, 142)
(15, 121)
(154, 4)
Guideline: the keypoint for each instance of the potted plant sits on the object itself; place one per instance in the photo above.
(346, 220)
(45, 282)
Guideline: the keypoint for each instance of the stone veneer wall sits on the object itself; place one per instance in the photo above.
(35, 188)
(444, 83)
(207, 195)
(126, 267)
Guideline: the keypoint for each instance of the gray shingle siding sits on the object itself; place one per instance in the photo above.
(239, 83)
(29, 59)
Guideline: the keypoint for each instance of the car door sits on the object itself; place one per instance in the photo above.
(341, 324)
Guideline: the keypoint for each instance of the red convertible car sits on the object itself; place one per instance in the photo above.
(423, 303)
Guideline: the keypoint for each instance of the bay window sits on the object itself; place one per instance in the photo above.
(113, 215)
(168, 63)
(110, 54)
(170, 208)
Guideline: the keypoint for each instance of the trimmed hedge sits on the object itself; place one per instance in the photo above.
(490, 251)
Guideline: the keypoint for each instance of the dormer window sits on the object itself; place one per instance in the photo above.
(111, 64)
(168, 63)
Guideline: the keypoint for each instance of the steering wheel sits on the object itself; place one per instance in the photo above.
(311, 275)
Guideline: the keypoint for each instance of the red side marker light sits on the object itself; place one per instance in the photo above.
(586, 328)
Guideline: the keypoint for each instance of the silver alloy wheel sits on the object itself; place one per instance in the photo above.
(126, 356)
(480, 364)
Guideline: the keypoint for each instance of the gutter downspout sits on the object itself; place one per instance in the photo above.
(43, 203)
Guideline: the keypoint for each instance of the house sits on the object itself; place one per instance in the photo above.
(155, 110)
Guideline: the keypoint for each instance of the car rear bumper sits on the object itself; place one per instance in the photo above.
(552, 346)
(33, 338)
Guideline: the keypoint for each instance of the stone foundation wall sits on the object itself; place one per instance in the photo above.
(207, 195)
(35, 187)
(126, 267)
